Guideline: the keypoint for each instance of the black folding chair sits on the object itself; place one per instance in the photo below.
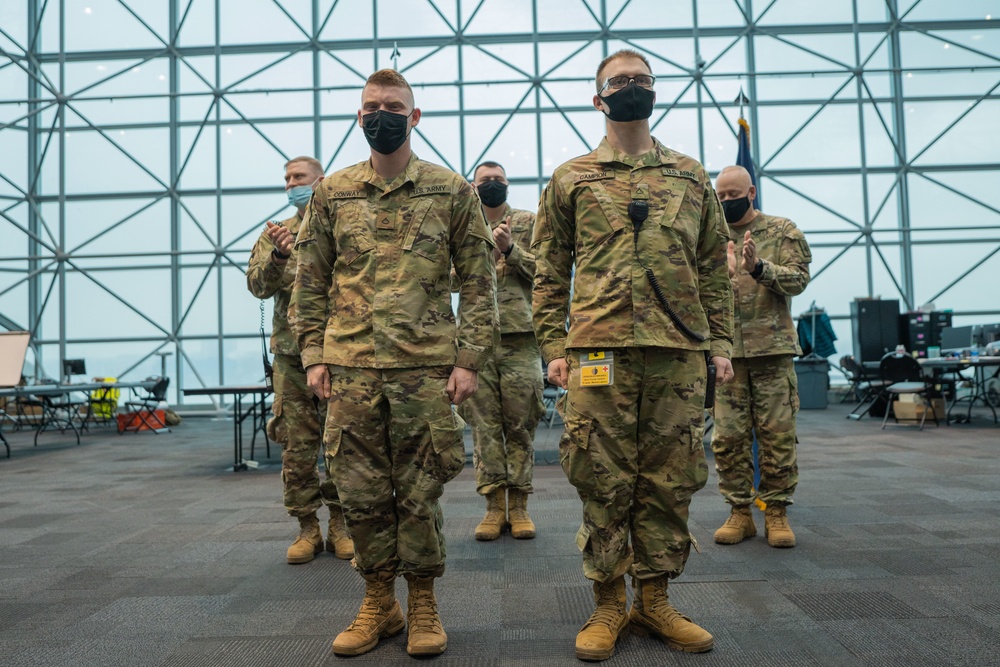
(865, 389)
(903, 375)
(142, 410)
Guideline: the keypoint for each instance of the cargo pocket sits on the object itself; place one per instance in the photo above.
(446, 457)
(793, 394)
(276, 429)
(539, 412)
(696, 472)
(574, 451)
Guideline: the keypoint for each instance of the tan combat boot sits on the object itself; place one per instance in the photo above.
(596, 639)
(338, 540)
(496, 516)
(425, 634)
(379, 616)
(776, 528)
(521, 525)
(652, 613)
(737, 527)
(308, 543)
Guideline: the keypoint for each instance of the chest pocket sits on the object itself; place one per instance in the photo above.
(352, 235)
(428, 228)
(604, 217)
(670, 197)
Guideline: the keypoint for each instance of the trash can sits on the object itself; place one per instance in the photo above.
(814, 381)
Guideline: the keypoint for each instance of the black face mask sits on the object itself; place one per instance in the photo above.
(385, 131)
(630, 103)
(492, 193)
(735, 209)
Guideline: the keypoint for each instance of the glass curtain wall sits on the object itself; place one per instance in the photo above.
(143, 143)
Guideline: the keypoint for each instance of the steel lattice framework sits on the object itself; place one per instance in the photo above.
(143, 141)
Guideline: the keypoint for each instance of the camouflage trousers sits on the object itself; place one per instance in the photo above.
(296, 426)
(763, 398)
(503, 414)
(392, 441)
(634, 452)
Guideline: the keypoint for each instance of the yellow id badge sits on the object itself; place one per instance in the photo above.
(597, 369)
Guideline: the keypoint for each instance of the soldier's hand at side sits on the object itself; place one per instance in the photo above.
(723, 370)
(559, 372)
(281, 237)
(749, 253)
(731, 258)
(462, 383)
(501, 235)
(318, 379)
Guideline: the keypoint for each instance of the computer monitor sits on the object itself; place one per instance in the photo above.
(956, 338)
(989, 333)
(74, 367)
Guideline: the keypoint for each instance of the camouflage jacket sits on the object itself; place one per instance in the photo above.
(266, 279)
(380, 254)
(516, 273)
(761, 308)
(583, 223)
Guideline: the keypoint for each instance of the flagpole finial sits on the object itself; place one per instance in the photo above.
(741, 99)
(395, 56)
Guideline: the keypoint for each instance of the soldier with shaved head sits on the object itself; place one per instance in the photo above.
(772, 259)
(372, 310)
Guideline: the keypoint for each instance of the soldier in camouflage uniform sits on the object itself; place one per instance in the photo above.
(636, 381)
(763, 399)
(505, 410)
(376, 253)
(298, 416)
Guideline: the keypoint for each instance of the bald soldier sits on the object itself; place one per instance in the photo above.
(297, 424)
(649, 309)
(772, 265)
(377, 253)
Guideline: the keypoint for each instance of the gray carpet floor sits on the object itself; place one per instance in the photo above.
(145, 550)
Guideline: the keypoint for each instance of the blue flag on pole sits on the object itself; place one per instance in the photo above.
(743, 158)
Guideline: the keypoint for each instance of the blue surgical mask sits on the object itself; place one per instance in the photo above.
(300, 195)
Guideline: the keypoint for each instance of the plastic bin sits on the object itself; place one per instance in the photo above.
(814, 382)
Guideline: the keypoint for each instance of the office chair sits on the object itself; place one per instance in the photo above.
(142, 410)
(903, 375)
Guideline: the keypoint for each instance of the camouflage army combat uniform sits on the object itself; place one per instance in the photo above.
(505, 410)
(296, 423)
(380, 254)
(763, 397)
(634, 408)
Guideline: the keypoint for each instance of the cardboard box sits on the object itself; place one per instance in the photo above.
(910, 409)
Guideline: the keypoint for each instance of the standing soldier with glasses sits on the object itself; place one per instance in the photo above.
(650, 312)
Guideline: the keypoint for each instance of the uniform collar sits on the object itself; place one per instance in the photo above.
(658, 156)
(411, 173)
